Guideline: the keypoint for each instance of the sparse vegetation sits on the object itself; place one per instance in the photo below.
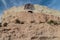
(19, 22)
(32, 21)
(5, 24)
(6, 30)
(33, 38)
(0, 24)
(53, 22)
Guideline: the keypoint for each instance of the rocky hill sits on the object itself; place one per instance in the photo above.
(25, 23)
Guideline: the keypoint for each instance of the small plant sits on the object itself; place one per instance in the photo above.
(22, 22)
(53, 22)
(0, 24)
(33, 38)
(6, 29)
(19, 22)
(5, 24)
(32, 21)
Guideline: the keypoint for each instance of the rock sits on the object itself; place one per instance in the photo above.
(29, 6)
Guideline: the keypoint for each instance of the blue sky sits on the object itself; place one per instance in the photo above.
(5, 4)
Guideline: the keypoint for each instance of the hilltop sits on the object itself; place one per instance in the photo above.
(35, 22)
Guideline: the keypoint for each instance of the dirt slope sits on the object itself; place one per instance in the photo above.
(29, 24)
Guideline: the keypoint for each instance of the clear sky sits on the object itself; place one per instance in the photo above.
(5, 4)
